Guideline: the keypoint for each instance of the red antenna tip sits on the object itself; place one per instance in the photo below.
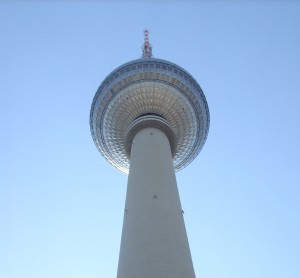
(147, 48)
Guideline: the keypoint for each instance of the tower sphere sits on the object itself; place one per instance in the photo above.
(147, 92)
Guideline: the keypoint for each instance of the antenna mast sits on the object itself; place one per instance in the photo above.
(147, 48)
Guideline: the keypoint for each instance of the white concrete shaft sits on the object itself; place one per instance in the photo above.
(154, 241)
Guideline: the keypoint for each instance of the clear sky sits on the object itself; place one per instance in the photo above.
(61, 203)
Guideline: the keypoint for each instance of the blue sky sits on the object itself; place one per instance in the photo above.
(61, 203)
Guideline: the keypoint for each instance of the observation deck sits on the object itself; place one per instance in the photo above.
(150, 89)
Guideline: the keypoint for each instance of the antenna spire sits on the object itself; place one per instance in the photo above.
(147, 48)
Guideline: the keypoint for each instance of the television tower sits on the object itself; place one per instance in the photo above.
(150, 118)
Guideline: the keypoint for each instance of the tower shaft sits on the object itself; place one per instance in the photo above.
(154, 240)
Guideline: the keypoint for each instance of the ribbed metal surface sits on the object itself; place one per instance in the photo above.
(149, 86)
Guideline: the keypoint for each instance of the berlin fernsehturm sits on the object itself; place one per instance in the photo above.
(149, 118)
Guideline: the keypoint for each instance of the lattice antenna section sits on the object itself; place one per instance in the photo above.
(147, 48)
